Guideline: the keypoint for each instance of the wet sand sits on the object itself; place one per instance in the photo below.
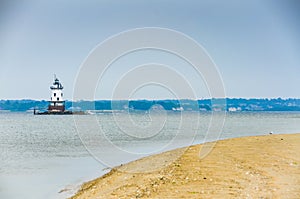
(249, 167)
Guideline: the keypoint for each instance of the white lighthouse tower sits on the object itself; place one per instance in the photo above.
(57, 104)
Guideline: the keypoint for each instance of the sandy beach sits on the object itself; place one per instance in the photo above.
(249, 167)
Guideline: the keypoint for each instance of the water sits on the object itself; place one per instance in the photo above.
(42, 155)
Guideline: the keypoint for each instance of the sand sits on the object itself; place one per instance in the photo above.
(249, 167)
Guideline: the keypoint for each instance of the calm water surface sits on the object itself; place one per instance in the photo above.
(42, 155)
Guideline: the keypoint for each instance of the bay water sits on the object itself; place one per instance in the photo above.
(49, 156)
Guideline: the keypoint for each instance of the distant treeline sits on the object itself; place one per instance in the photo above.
(170, 105)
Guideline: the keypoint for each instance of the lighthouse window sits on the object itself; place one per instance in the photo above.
(61, 94)
(58, 99)
(54, 94)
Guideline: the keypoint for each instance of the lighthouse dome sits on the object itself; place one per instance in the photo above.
(56, 85)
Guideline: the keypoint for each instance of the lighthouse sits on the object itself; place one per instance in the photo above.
(56, 104)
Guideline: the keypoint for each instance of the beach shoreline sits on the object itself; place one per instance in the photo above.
(247, 167)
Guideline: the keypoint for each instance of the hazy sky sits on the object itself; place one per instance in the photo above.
(255, 43)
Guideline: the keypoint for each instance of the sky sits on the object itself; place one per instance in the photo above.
(255, 44)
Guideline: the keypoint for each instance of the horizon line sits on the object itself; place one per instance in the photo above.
(151, 99)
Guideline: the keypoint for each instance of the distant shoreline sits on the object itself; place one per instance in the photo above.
(227, 104)
(256, 166)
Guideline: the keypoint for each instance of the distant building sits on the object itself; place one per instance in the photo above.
(234, 109)
(177, 108)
